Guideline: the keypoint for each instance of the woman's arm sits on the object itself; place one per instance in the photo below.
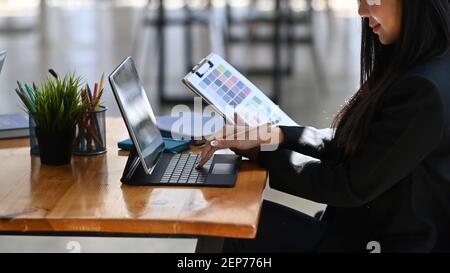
(409, 128)
(248, 141)
(317, 143)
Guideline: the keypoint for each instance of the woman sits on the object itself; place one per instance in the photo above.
(385, 172)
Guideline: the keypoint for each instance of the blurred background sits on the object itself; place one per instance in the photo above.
(304, 54)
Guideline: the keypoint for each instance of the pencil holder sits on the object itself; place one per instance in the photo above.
(34, 146)
(90, 135)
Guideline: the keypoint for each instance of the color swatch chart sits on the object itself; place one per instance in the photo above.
(230, 92)
(226, 86)
(255, 113)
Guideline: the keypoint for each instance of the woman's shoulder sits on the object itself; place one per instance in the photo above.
(435, 72)
(430, 80)
(424, 87)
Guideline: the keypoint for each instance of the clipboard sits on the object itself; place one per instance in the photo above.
(229, 92)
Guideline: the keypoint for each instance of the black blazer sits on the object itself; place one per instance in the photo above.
(396, 190)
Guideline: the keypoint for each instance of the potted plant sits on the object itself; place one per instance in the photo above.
(56, 107)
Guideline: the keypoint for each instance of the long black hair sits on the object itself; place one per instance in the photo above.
(425, 34)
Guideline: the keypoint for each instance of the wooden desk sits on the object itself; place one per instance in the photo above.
(87, 198)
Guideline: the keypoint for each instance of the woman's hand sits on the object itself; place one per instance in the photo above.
(251, 154)
(242, 139)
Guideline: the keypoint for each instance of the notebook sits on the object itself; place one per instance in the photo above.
(13, 126)
(222, 86)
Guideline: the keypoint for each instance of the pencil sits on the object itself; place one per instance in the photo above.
(95, 93)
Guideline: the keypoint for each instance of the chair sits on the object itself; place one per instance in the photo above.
(283, 22)
(160, 22)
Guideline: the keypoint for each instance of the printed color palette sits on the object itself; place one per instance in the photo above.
(231, 91)
(228, 87)
(256, 113)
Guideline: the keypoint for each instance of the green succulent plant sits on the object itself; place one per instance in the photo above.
(55, 105)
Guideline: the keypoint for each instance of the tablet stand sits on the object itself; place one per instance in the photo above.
(133, 169)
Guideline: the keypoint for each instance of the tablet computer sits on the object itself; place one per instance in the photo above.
(2, 59)
(230, 93)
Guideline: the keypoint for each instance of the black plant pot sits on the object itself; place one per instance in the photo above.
(55, 148)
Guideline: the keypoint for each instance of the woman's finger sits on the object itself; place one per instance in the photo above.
(205, 155)
(205, 149)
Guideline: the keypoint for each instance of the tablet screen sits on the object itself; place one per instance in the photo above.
(2, 59)
(137, 113)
